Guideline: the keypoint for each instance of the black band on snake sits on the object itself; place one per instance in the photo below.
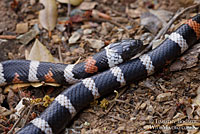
(76, 97)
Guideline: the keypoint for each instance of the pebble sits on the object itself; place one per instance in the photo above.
(61, 27)
(87, 31)
(150, 109)
(164, 97)
(56, 38)
(94, 43)
(22, 28)
(75, 37)
(143, 106)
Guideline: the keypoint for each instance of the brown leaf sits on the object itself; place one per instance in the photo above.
(22, 28)
(87, 5)
(151, 22)
(73, 2)
(48, 16)
(40, 53)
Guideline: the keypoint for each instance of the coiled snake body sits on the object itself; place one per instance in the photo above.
(22, 71)
(72, 100)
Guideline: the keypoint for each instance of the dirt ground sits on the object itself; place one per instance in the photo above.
(167, 102)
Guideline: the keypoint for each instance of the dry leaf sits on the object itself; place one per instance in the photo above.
(94, 43)
(48, 16)
(87, 5)
(43, 84)
(73, 2)
(40, 53)
(17, 87)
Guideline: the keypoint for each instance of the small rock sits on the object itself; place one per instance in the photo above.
(28, 36)
(163, 15)
(61, 27)
(152, 98)
(129, 27)
(22, 28)
(94, 43)
(87, 31)
(75, 37)
(143, 106)
(133, 118)
(150, 109)
(133, 13)
(149, 118)
(146, 132)
(164, 97)
(166, 131)
(120, 30)
(147, 127)
(56, 38)
(76, 12)
(32, 2)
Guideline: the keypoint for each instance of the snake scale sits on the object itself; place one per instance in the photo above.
(66, 105)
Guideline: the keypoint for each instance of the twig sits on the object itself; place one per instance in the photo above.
(68, 8)
(164, 29)
(3, 127)
(8, 37)
(107, 20)
(68, 14)
(8, 112)
(114, 100)
(29, 112)
(122, 101)
(60, 55)
(18, 120)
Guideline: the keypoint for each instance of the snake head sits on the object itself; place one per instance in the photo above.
(127, 48)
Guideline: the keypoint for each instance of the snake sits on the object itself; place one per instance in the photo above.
(72, 100)
(30, 71)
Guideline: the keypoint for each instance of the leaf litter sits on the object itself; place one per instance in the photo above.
(170, 97)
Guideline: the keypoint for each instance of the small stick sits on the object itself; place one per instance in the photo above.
(8, 37)
(8, 112)
(29, 112)
(164, 29)
(68, 8)
(68, 14)
(3, 126)
(60, 55)
(104, 20)
(18, 120)
(114, 100)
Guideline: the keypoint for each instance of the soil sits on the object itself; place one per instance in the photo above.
(166, 99)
